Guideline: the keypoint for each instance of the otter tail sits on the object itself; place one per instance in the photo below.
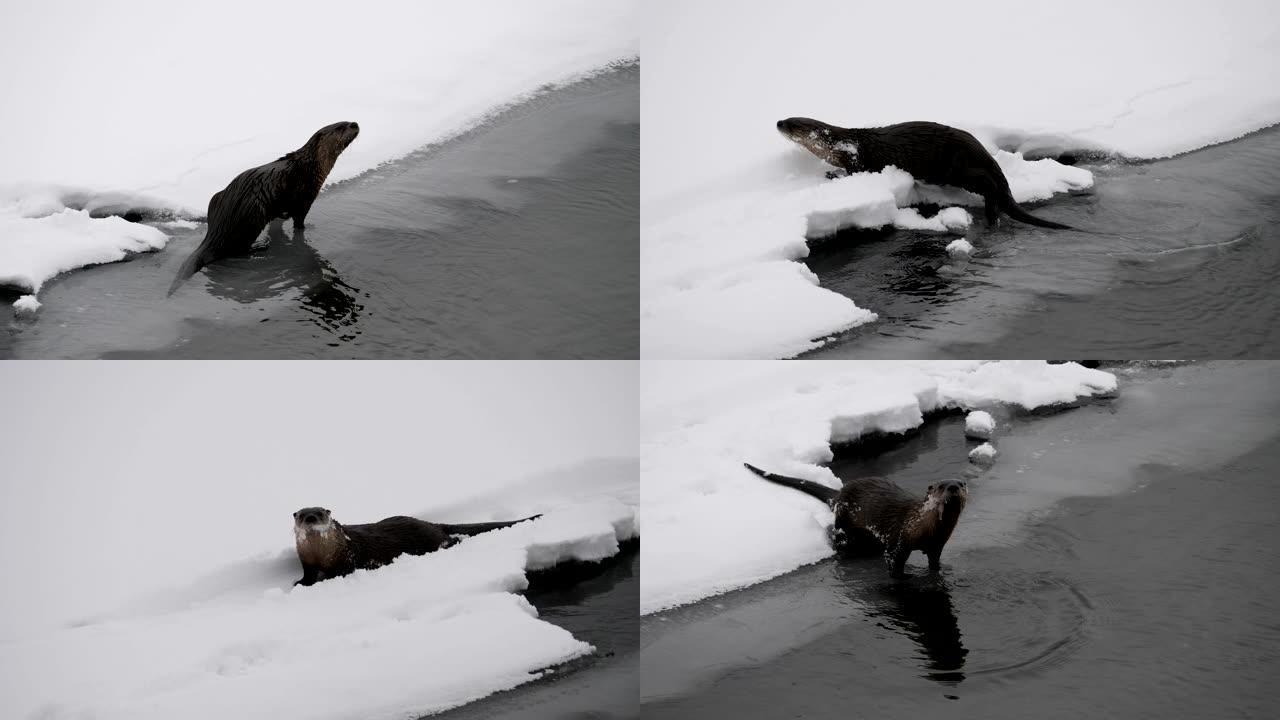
(818, 490)
(190, 267)
(477, 528)
(1012, 209)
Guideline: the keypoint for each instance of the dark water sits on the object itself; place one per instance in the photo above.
(1185, 267)
(1118, 560)
(600, 610)
(518, 239)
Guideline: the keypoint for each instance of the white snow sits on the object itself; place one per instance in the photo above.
(701, 421)
(983, 454)
(979, 425)
(961, 247)
(26, 303)
(149, 572)
(720, 188)
(156, 104)
(32, 250)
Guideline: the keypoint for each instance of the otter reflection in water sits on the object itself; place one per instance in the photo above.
(288, 262)
(919, 609)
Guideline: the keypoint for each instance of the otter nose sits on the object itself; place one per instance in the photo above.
(309, 518)
(355, 126)
(782, 124)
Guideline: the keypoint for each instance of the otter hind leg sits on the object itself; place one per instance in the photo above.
(935, 561)
(992, 210)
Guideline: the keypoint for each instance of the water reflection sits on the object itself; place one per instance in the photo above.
(289, 263)
(919, 608)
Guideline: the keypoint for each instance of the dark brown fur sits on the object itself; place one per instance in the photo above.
(285, 188)
(329, 549)
(874, 514)
(930, 152)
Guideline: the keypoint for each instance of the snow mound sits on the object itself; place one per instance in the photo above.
(33, 250)
(979, 425)
(984, 454)
(26, 303)
(700, 422)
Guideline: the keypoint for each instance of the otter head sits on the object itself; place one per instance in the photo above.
(328, 143)
(312, 521)
(827, 142)
(947, 498)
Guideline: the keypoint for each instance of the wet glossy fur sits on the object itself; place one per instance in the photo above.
(334, 549)
(875, 515)
(930, 152)
(285, 188)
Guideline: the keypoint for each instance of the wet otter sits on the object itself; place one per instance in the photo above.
(875, 514)
(930, 152)
(329, 549)
(284, 188)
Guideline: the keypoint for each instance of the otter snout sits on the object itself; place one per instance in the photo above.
(954, 490)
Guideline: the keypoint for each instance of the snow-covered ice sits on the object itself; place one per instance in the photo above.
(157, 105)
(149, 572)
(722, 214)
(713, 526)
(983, 454)
(979, 425)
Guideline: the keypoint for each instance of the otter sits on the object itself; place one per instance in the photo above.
(874, 514)
(284, 188)
(329, 549)
(930, 152)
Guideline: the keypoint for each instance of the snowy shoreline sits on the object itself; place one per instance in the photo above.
(726, 202)
(700, 423)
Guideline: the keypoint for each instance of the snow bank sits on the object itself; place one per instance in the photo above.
(33, 250)
(150, 104)
(156, 581)
(1135, 79)
(979, 425)
(701, 421)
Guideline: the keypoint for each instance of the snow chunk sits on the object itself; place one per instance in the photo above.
(961, 247)
(1040, 179)
(952, 219)
(34, 250)
(701, 421)
(26, 303)
(983, 454)
(979, 425)
(181, 224)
